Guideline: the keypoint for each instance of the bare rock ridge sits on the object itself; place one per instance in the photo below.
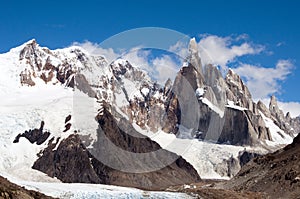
(239, 126)
(284, 122)
(277, 174)
(71, 161)
(41, 66)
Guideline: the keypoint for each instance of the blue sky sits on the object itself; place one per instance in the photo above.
(273, 24)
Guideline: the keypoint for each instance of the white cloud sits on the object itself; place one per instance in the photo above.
(96, 49)
(221, 50)
(263, 82)
(280, 44)
(165, 67)
(138, 58)
(180, 49)
(292, 107)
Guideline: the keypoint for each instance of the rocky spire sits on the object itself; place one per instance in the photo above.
(274, 109)
(279, 118)
(263, 108)
(237, 91)
(194, 58)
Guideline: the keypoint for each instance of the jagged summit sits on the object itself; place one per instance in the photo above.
(194, 58)
(193, 46)
(30, 41)
(17, 49)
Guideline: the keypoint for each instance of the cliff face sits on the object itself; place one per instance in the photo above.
(284, 122)
(224, 108)
(117, 158)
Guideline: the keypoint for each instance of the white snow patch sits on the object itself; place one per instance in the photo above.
(212, 106)
(200, 92)
(145, 91)
(233, 106)
(278, 135)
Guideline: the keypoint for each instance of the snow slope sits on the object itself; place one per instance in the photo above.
(203, 155)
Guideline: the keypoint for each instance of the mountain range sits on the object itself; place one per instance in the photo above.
(69, 116)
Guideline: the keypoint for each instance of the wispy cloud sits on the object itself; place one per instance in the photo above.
(180, 49)
(262, 81)
(280, 44)
(138, 57)
(166, 68)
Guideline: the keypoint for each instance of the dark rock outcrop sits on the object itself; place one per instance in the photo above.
(228, 168)
(70, 162)
(237, 127)
(68, 118)
(245, 157)
(34, 135)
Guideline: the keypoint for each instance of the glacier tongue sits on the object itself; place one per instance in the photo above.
(92, 191)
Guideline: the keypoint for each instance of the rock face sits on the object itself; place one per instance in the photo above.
(223, 110)
(72, 162)
(59, 66)
(194, 58)
(238, 92)
(277, 174)
(295, 123)
(239, 126)
(278, 117)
